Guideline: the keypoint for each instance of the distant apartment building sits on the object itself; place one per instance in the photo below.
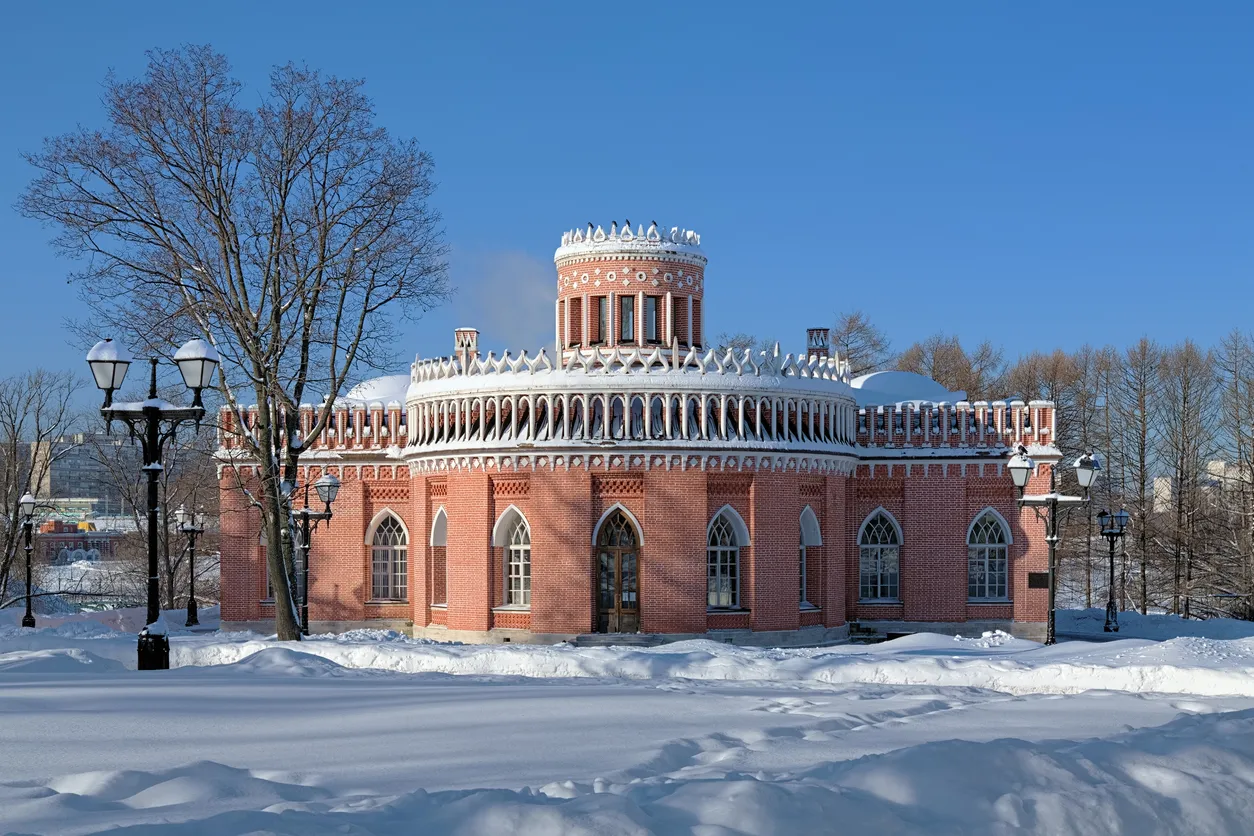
(76, 470)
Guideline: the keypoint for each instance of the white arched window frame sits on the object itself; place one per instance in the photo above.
(512, 533)
(988, 557)
(389, 558)
(810, 537)
(879, 558)
(726, 535)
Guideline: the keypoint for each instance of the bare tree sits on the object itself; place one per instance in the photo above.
(188, 478)
(980, 373)
(292, 235)
(1235, 364)
(35, 409)
(857, 340)
(742, 342)
(1188, 386)
(1137, 394)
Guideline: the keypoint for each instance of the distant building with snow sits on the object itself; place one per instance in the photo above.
(630, 480)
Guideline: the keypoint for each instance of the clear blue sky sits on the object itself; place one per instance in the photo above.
(1047, 176)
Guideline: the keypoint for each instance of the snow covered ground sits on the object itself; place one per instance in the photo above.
(375, 733)
(1152, 626)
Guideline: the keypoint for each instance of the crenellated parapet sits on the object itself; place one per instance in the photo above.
(620, 360)
(914, 426)
(367, 427)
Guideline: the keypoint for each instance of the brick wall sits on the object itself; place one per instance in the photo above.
(934, 504)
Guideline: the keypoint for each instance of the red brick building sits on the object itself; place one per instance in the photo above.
(633, 480)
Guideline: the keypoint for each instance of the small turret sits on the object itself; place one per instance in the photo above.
(818, 343)
(466, 345)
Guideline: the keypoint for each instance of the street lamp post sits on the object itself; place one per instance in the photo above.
(1021, 468)
(27, 506)
(1114, 526)
(188, 524)
(327, 487)
(153, 422)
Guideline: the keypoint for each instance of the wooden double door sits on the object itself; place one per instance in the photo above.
(618, 576)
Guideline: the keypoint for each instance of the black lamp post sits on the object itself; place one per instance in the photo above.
(1021, 468)
(188, 524)
(27, 507)
(1114, 526)
(153, 422)
(327, 487)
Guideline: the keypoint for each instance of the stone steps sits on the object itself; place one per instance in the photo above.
(618, 639)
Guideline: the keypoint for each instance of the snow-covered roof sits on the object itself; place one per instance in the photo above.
(651, 240)
(900, 387)
(392, 387)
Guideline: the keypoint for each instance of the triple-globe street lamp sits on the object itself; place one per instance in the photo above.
(1021, 468)
(1114, 526)
(193, 527)
(153, 422)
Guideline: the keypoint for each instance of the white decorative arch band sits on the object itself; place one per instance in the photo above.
(888, 516)
(762, 420)
(737, 523)
(439, 528)
(618, 506)
(810, 533)
(1005, 525)
(378, 519)
(505, 525)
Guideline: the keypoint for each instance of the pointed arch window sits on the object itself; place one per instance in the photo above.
(811, 538)
(879, 557)
(389, 564)
(723, 565)
(987, 559)
(518, 566)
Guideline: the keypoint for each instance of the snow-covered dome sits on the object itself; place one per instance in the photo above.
(385, 389)
(899, 387)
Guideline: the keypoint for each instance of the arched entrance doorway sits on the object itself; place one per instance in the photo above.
(618, 575)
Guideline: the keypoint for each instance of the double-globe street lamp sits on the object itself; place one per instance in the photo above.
(1021, 468)
(26, 506)
(190, 525)
(327, 487)
(1114, 526)
(154, 422)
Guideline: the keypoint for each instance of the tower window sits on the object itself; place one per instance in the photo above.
(651, 331)
(627, 319)
(603, 315)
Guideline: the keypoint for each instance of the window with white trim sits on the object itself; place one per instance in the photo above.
(627, 319)
(802, 563)
(389, 575)
(987, 559)
(518, 566)
(723, 565)
(879, 556)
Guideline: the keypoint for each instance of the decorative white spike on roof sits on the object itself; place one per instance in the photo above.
(650, 239)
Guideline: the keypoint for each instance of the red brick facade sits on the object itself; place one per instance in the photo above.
(543, 450)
